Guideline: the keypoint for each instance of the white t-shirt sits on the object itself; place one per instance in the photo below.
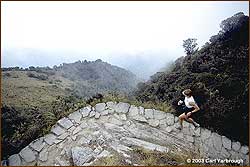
(188, 100)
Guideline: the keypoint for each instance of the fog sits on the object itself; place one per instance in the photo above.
(140, 36)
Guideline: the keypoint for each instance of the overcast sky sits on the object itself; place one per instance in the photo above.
(48, 33)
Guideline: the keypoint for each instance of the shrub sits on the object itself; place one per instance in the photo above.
(40, 77)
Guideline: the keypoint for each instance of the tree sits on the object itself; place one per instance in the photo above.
(190, 46)
(231, 22)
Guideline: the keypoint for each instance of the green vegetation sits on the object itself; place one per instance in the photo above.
(34, 99)
(118, 97)
(97, 77)
(174, 157)
(217, 74)
(114, 160)
(20, 126)
(145, 157)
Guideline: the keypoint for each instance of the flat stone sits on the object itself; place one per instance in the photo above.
(116, 116)
(133, 111)
(84, 140)
(57, 130)
(104, 119)
(27, 154)
(73, 137)
(246, 162)
(186, 131)
(81, 155)
(226, 142)
(71, 129)
(149, 113)
(62, 144)
(120, 148)
(85, 111)
(104, 153)
(123, 117)
(144, 144)
(163, 122)
(65, 122)
(57, 141)
(83, 125)
(100, 107)
(180, 135)
(104, 112)
(128, 161)
(141, 110)
(62, 162)
(63, 152)
(122, 107)
(209, 143)
(38, 144)
(43, 155)
(225, 153)
(76, 116)
(139, 118)
(170, 119)
(153, 122)
(111, 105)
(169, 129)
(49, 139)
(236, 155)
(190, 138)
(115, 121)
(14, 160)
(92, 114)
(244, 149)
(77, 129)
(111, 110)
(97, 150)
(97, 115)
(63, 136)
(205, 133)
(217, 141)
(176, 119)
(236, 146)
(159, 114)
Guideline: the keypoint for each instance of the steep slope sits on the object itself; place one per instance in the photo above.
(218, 76)
(122, 134)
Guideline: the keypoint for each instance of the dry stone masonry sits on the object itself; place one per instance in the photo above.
(92, 133)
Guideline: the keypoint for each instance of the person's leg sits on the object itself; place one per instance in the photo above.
(181, 118)
(192, 121)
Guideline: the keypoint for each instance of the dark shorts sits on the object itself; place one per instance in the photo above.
(187, 110)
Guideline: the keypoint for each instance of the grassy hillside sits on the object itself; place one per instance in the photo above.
(19, 90)
(217, 74)
(34, 99)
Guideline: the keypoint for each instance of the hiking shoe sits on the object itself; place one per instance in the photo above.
(196, 125)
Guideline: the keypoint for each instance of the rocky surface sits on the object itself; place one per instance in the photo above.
(108, 129)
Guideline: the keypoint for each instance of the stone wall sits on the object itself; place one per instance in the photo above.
(95, 132)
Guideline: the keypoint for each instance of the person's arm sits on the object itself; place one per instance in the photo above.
(180, 102)
(196, 107)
